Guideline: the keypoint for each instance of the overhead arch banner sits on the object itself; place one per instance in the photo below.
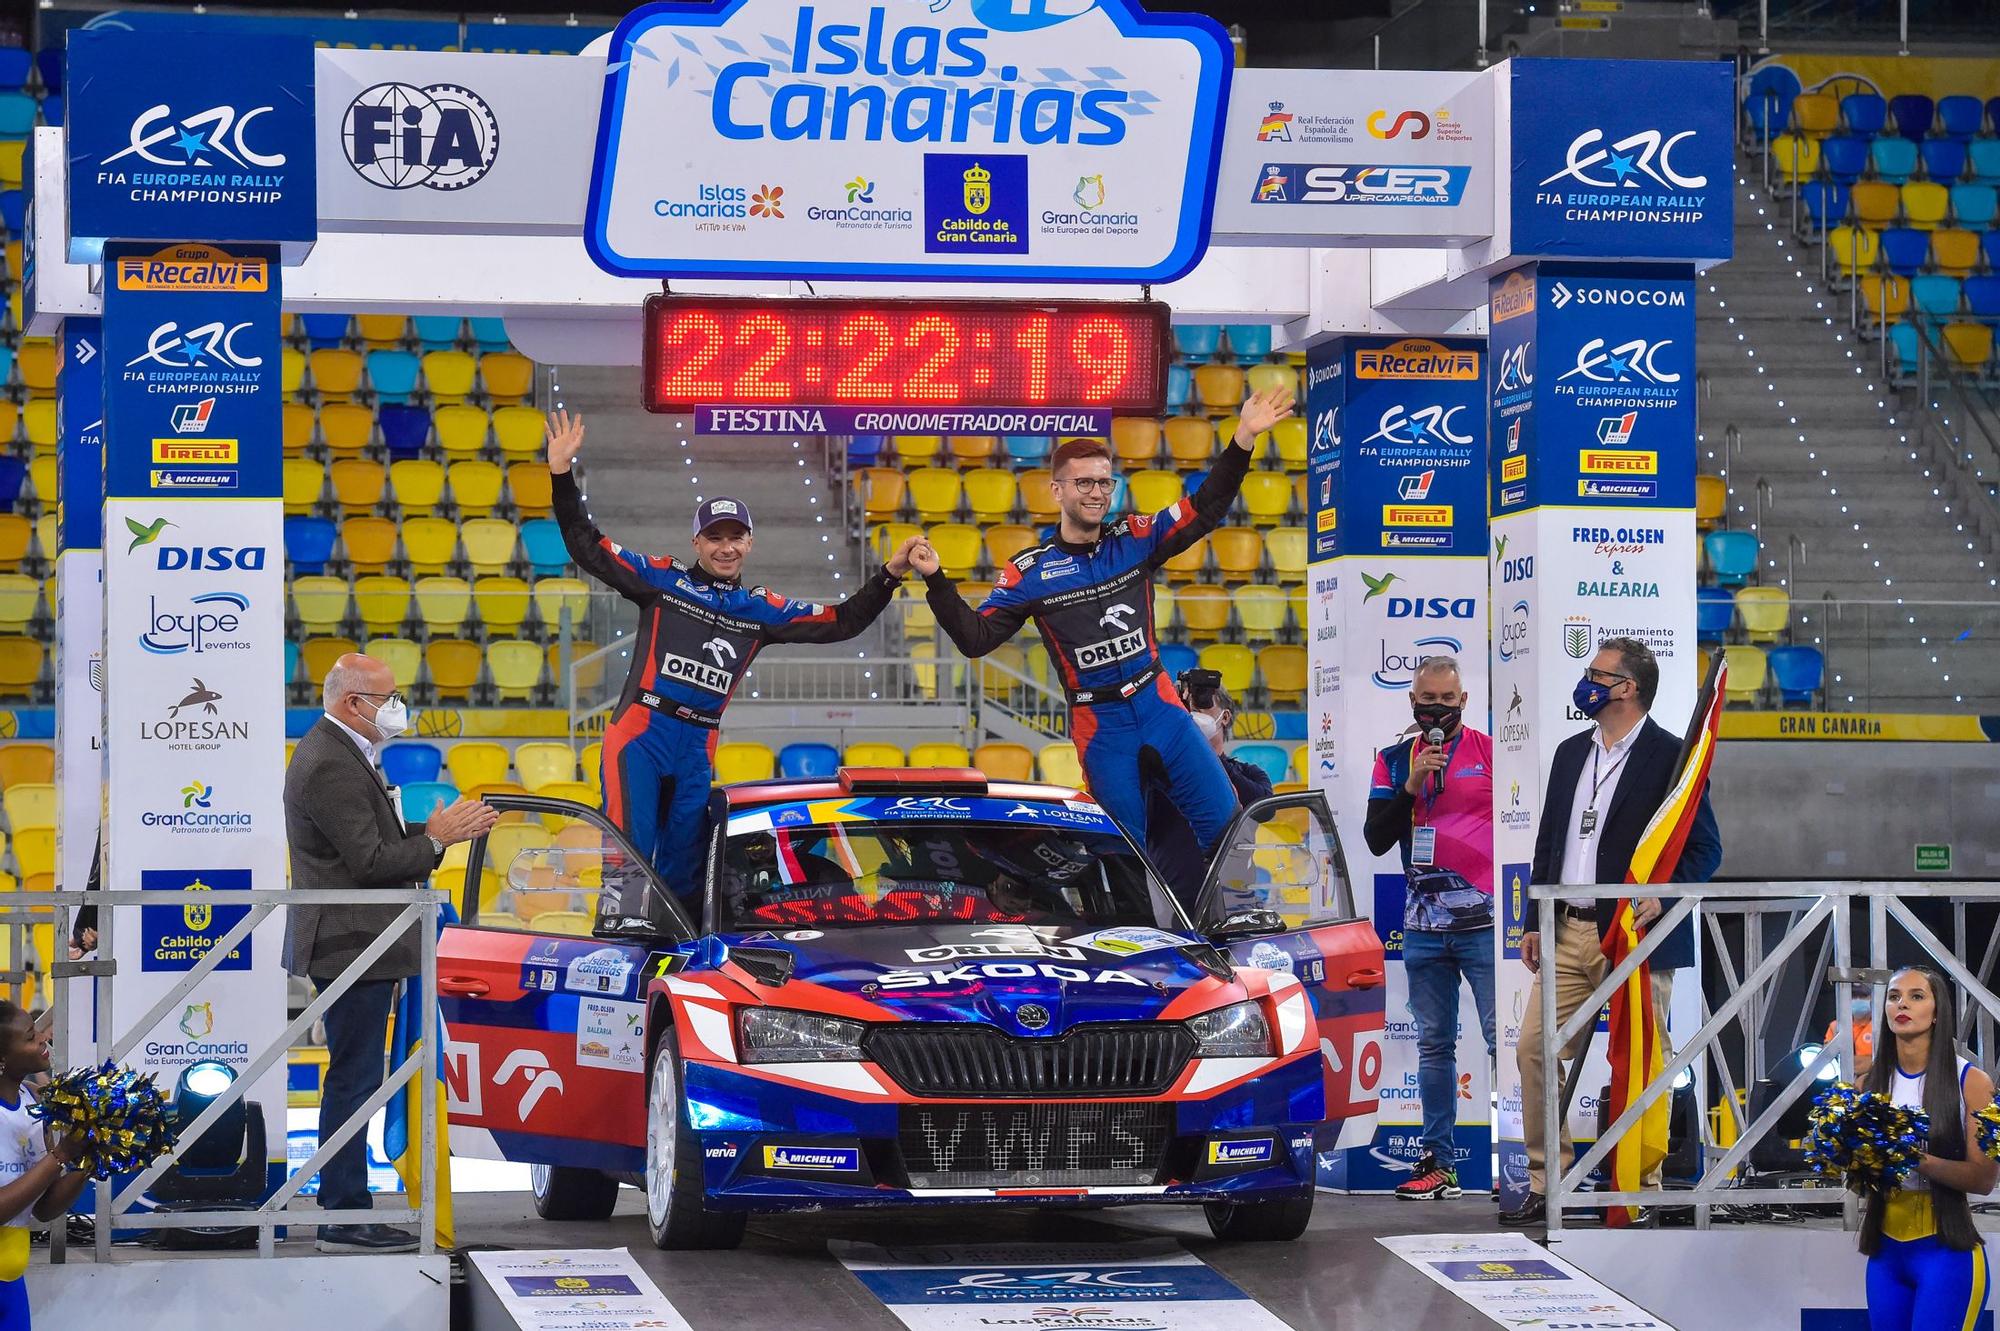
(1003, 140)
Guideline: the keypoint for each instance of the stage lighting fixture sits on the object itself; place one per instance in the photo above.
(221, 1147)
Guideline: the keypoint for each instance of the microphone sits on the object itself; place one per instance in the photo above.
(1435, 738)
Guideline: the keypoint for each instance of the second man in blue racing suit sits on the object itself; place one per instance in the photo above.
(1090, 593)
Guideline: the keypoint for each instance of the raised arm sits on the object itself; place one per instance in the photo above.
(629, 574)
(1178, 526)
(973, 632)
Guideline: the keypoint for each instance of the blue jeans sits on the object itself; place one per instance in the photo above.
(357, 1038)
(1434, 963)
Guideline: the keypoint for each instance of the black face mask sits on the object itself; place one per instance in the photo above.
(1436, 716)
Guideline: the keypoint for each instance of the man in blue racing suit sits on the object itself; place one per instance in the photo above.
(699, 629)
(1090, 593)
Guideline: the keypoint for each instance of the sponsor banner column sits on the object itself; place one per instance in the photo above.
(1396, 483)
(79, 643)
(194, 641)
(1592, 414)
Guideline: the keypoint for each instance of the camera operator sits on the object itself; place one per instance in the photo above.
(1170, 841)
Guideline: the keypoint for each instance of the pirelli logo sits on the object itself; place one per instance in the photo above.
(698, 673)
(1618, 462)
(212, 451)
(1416, 515)
(1110, 650)
(1326, 519)
(1514, 468)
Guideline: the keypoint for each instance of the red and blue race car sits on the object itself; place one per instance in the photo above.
(910, 987)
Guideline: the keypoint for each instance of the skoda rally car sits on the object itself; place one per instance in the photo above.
(909, 987)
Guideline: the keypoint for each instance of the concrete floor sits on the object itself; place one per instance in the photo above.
(1335, 1277)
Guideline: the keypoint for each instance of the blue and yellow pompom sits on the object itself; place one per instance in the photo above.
(118, 1120)
(1987, 1124)
(1864, 1138)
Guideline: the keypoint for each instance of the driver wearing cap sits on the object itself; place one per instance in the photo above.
(699, 629)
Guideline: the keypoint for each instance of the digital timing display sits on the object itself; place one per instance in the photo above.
(1104, 355)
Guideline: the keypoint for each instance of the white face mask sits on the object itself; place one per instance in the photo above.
(392, 718)
(1208, 724)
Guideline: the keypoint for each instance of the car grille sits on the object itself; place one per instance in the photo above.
(1034, 1146)
(1113, 1058)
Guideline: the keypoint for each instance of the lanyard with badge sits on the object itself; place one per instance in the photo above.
(1423, 837)
(1588, 826)
(1440, 899)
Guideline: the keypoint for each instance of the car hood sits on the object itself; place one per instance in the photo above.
(998, 974)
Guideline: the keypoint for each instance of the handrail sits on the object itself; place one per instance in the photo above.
(1795, 555)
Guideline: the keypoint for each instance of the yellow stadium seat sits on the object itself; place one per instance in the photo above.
(957, 546)
(1237, 664)
(1711, 500)
(1006, 540)
(347, 427)
(1163, 605)
(744, 762)
(320, 602)
(1874, 204)
(38, 419)
(461, 429)
(519, 432)
(1190, 441)
(940, 755)
(972, 450)
(1005, 762)
(10, 417)
(317, 656)
(1295, 596)
(918, 619)
(1292, 443)
(1057, 763)
(1218, 387)
(1189, 563)
(1239, 552)
(489, 544)
(1746, 672)
(1152, 491)
(516, 667)
(934, 493)
(30, 804)
(507, 376)
(540, 762)
(1204, 609)
(36, 359)
(454, 667)
(1038, 496)
(26, 764)
(1287, 548)
(567, 923)
(1816, 113)
(1260, 610)
(1301, 761)
(336, 372)
(590, 761)
(1267, 497)
(507, 841)
(1268, 377)
(882, 492)
(381, 331)
(1135, 440)
(35, 852)
(1284, 668)
(369, 543)
(477, 763)
(42, 477)
(475, 487)
(990, 494)
(590, 794)
(430, 544)
(16, 533)
(417, 484)
(403, 656)
(13, 152)
(357, 484)
(554, 595)
(1954, 251)
(298, 424)
(503, 603)
(443, 603)
(1925, 202)
(448, 375)
(1969, 344)
(886, 539)
(1853, 249)
(872, 753)
(1885, 297)
(383, 602)
(1766, 612)
(1796, 159)
(917, 449)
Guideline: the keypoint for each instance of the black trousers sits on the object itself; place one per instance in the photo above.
(357, 1038)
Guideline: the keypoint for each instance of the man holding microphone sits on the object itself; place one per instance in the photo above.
(1433, 796)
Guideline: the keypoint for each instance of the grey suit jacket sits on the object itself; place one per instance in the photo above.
(345, 833)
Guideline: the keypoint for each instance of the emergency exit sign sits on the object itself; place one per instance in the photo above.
(1934, 859)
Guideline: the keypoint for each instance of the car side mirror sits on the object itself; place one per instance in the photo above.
(1248, 924)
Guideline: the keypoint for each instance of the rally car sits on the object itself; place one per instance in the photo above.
(909, 987)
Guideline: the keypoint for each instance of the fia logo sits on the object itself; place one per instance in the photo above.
(1648, 152)
(1622, 363)
(218, 131)
(400, 136)
(1433, 424)
(168, 346)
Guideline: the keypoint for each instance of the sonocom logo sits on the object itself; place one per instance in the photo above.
(1621, 364)
(218, 130)
(698, 673)
(1561, 294)
(1647, 152)
(1425, 425)
(168, 346)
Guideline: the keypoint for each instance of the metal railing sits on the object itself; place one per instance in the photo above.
(1814, 910)
(419, 911)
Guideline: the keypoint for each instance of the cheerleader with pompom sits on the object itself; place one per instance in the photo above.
(1926, 1265)
(38, 1181)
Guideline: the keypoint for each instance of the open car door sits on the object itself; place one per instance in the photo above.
(1278, 897)
(542, 988)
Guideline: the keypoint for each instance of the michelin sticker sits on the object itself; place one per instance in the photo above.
(1129, 941)
(603, 971)
(610, 1035)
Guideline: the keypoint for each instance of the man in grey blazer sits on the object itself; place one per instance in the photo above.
(346, 831)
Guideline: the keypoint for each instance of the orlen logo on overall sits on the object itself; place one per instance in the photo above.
(698, 673)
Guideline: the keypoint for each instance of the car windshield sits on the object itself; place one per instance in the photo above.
(851, 875)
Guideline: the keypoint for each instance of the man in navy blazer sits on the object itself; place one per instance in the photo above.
(1604, 787)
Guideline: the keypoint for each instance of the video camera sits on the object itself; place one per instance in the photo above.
(1197, 688)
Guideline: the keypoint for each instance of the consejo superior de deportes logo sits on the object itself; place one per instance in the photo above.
(441, 136)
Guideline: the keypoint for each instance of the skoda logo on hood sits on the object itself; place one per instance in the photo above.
(1032, 1016)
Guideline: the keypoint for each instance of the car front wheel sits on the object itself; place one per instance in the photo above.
(674, 1210)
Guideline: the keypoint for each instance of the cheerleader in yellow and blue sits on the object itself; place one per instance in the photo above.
(1926, 1264)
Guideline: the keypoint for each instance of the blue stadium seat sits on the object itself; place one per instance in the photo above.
(1993, 113)
(438, 332)
(49, 60)
(1797, 671)
(808, 760)
(1194, 480)
(1767, 104)
(1982, 297)
(542, 540)
(1983, 158)
(292, 654)
(1895, 159)
(865, 450)
(393, 375)
(1845, 158)
(1959, 116)
(1288, 726)
(410, 760)
(421, 798)
(1974, 206)
(1250, 341)
(309, 544)
(1178, 656)
(1912, 113)
(52, 109)
(1944, 160)
(405, 429)
(1732, 556)
(1715, 611)
(1121, 496)
(1903, 341)
(17, 115)
(14, 66)
(1989, 246)
(1864, 112)
(1197, 341)
(1026, 448)
(1905, 250)
(13, 473)
(1274, 759)
(1180, 383)
(13, 210)
(1825, 204)
(324, 330)
(1935, 295)
(490, 334)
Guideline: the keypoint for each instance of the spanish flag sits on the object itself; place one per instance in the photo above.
(1635, 1045)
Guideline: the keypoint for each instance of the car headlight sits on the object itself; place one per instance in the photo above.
(779, 1035)
(1236, 1031)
